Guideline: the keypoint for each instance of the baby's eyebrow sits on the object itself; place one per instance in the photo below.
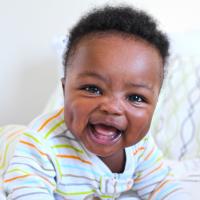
(92, 74)
(140, 85)
(86, 74)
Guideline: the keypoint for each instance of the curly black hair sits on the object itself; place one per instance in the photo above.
(121, 19)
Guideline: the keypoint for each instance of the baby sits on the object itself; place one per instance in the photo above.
(98, 145)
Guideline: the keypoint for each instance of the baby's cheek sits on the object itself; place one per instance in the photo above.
(143, 114)
(68, 116)
(75, 115)
(140, 121)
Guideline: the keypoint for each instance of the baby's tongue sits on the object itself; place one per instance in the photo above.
(103, 134)
(105, 130)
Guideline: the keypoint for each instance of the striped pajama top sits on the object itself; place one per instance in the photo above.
(50, 163)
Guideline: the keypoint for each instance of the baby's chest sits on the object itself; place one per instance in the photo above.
(80, 176)
(79, 183)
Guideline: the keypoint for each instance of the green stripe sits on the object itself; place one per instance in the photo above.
(75, 193)
(101, 183)
(4, 157)
(67, 146)
(17, 170)
(32, 137)
(53, 128)
(138, 174)
(59, 168)
(106, 196)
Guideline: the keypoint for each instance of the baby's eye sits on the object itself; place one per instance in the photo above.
(134, 98)
(92, 89)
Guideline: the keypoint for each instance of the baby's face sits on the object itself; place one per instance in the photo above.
(111, 90)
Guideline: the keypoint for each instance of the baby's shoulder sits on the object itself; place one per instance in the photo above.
(143, 145)
(48, 125)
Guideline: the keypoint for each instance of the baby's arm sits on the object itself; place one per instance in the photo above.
(30, 174)
(153, 178)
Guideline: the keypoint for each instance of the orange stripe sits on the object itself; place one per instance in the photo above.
(33, 146)
(17, 177)
(138, 179)
(50, 119)
(172, 192)
(15, 133)
(159, 188)
(74, 157)
(143, 188)
(138, 150)
(149, 154)
(24, 176)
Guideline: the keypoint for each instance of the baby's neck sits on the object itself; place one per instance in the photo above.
(116, 162)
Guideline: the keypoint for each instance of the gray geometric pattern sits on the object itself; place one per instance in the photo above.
(176, 126)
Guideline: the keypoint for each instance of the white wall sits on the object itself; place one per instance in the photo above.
(28, 62)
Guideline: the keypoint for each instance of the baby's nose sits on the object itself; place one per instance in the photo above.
(112, 105)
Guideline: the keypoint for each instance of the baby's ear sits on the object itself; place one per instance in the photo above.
(63, 84)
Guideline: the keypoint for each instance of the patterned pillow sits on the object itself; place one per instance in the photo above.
(175, 125)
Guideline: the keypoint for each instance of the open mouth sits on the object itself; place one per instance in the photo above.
(104, 134)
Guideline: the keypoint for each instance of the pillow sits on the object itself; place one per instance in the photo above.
(56, 100)
(175, 125)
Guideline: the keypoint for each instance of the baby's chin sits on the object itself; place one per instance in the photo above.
(103, 151)
(101, 154)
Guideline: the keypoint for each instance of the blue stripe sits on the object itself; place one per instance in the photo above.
(145, 164)
(169, 187)
(79, 168)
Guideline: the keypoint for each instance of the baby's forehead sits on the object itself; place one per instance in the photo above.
(115, 51)
(104, 39)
